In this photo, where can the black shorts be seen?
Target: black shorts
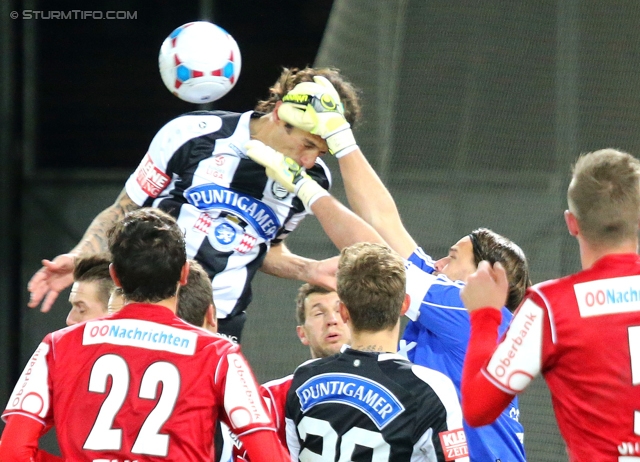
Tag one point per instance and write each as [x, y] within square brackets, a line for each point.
[232, 326]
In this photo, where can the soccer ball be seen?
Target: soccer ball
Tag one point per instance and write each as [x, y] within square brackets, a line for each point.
[199, 62]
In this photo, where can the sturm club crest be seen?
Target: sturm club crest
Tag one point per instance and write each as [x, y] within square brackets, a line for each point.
[278, 191]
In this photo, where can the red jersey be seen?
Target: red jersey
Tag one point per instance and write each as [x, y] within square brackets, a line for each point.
[274, 394]
[141, 384]
[582, 332]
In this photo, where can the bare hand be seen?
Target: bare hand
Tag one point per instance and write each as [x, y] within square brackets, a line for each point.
[54, 276]
[323, 273]
[487, 287]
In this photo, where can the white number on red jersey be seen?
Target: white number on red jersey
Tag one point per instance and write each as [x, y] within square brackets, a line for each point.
[149, 441]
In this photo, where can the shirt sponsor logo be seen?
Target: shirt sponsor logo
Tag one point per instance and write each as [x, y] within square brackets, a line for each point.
[212, 196]
[150, 178]
[370, 397]
[31, 392]
[517, 359]
[141, 334]
[242, 400]
[454, 444]
[608, 296]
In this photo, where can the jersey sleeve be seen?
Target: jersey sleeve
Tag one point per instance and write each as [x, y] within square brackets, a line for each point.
[20, 441]
[153, 174]
[492, 375]
[31, 396]
[435, 302]
[437, 430]
[244, 410]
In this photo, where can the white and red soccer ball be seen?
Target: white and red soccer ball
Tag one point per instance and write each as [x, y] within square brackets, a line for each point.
[199, 62]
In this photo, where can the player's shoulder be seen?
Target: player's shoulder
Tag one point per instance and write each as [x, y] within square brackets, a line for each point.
[200, 123]
[403, 370]
[278, 383]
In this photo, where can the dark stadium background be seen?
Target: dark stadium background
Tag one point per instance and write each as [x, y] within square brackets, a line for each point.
[101, 98]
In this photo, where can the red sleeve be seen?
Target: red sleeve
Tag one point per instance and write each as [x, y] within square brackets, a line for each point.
[20, 441]
[482, 401]
[264, 446]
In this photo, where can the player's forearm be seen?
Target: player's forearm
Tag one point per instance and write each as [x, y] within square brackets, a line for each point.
[280, 262]
[264, 445]
[20, 440]
[482, 402]
[95, 237]
[371, 200]
[341, 225]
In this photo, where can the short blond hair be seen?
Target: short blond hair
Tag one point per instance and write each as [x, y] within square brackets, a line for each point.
[604, 196]
[372, 285]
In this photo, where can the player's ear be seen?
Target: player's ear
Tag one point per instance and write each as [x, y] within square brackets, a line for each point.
[114, 276]
[405, 304]
[572, 223]
[184, 274]
[210, 319]
[274, 114]
[302, 335]
[344, 312]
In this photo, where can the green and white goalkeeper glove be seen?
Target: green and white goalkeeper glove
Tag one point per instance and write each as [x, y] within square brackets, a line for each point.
[316, 108]
[287, 172]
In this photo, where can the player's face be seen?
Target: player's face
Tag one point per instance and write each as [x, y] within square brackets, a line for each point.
[323, 329]
[459, 264]
[85, 303]
[301, 146]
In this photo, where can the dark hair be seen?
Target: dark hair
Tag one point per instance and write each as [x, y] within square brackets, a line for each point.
[492, 247]
[303, 292]
[289, 78]
[372, 285]
[95, 268]
[148, 252]
[195, 296]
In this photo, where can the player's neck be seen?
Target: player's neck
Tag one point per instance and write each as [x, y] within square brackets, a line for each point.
[170, 303]
[590, 253]
[379, 342]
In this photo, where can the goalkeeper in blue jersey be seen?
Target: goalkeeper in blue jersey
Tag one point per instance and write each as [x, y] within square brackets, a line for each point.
[438, 331]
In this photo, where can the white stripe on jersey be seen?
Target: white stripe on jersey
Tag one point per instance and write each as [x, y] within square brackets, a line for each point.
[552, 322]
[446, 391]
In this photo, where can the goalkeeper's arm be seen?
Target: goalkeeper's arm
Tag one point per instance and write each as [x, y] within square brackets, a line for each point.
[340, 224]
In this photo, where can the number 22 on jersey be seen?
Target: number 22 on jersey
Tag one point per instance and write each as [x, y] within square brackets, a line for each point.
[149, 440]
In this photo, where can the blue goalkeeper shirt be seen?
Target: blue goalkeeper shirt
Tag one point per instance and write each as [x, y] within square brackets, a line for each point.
[437, 336]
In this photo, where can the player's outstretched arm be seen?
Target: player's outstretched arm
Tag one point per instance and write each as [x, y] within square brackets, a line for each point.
[371, 200]
[341, 225]
[57, 274]
[281, 262]
[20, 441]
[316, 108]
[484, 295]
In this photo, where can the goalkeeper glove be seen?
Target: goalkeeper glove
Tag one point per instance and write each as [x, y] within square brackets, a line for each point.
[287, 172]
[316, 108]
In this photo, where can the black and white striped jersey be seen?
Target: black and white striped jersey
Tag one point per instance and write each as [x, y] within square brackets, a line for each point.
[361, 406]
[197, 170]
